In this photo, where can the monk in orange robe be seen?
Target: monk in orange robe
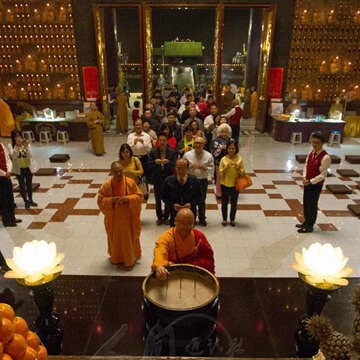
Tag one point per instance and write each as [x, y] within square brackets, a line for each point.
[119, 199]
[7, 122]
[182, 244]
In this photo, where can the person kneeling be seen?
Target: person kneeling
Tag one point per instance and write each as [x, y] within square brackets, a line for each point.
[182, 244]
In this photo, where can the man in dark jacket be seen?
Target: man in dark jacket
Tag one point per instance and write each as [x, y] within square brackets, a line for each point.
[181, 191]
[161, 163]
[173, 127]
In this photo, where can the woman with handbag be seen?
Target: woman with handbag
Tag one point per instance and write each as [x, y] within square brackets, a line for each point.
[132, 167]
[20, 153]
[230, 169]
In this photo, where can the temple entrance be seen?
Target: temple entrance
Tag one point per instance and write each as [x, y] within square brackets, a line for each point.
[225, 49]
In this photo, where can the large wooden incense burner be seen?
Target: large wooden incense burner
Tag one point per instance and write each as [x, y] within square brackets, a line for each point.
[187, 301]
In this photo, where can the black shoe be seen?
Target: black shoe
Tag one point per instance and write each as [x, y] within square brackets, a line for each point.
[27, 205]
[300, 226]
[203, 222]
[158, 222]
[12, 224]
[17, 221]
[32, 203]
[232, 223]
[305, 230]
[224, 223]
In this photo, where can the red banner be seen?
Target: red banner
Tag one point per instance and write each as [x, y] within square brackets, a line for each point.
[91, 83]
[275, 83]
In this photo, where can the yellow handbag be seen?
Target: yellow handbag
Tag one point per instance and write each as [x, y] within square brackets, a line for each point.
[243, 182]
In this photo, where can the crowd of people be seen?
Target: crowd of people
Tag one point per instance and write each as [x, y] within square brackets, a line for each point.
[177, 145]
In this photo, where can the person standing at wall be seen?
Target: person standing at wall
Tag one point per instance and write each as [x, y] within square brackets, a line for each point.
[95, 122]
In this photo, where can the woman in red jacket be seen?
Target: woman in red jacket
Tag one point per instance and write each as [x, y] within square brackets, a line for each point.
[164, 129]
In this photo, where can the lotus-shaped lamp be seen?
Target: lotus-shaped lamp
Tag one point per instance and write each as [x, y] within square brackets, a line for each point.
[323, 265]
[34, 261]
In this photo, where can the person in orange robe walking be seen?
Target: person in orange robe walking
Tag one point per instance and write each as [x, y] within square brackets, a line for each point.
[119, 199]
[182, 244]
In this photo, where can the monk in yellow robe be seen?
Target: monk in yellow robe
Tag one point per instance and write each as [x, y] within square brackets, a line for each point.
[119, 199]
[254, 102]
[121, 113]
[182, 244]
[7, 122]
[95, 122]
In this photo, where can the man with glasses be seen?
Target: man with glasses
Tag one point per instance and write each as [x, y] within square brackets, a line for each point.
[182, 244]
[181, 191]
[201, 166]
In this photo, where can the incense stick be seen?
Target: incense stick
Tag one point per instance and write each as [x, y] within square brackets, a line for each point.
[195, 277]
[181, 277]
[167, 280]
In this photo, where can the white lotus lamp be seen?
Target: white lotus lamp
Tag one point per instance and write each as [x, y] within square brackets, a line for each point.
[323, 265]
[34, 262]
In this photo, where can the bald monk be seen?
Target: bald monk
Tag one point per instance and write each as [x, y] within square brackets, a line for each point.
[119, 199]
[182, 244]
[7, 122]
[95, 123]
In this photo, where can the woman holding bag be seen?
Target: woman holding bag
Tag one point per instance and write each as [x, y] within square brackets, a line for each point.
[231, 167]
[21, 159]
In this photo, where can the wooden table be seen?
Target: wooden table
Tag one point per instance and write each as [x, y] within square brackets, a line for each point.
[76, 128]
[281, 130]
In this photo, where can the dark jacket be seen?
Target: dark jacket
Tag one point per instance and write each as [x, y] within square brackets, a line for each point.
[160, 173]
[174, 193]
[176, 131]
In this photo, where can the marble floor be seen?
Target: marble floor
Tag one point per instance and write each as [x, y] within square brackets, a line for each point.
[261, 245]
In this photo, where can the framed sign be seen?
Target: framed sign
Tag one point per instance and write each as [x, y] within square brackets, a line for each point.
[275, 83]
[91, 83]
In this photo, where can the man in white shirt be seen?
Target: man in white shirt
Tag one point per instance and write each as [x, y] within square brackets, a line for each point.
[141, 145]
[6, 190]
[201, 165]
[314, 174]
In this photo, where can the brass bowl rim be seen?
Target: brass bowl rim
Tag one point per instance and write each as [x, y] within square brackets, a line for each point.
[188, 266]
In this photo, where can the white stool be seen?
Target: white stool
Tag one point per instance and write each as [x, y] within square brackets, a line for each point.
[296, 138]
[335, 138]
[45, 137]
[62, 136]
[29, 135]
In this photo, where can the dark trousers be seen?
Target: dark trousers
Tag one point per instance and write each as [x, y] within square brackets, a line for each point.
[310, 201]
[144, 163]
[159, 213]
[208, 141]
[6, 201]
[235, 132]
[202, 205]
[226, 194]
[25, 177]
